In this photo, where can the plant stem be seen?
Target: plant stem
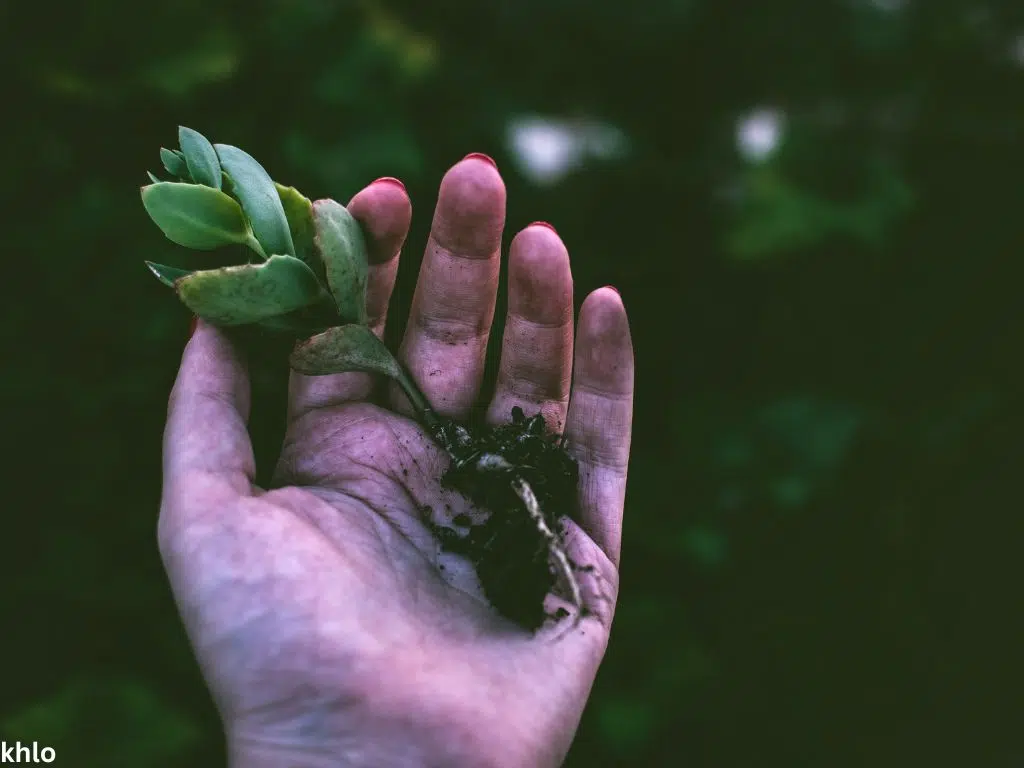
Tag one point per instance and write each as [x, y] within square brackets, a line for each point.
[416, 398]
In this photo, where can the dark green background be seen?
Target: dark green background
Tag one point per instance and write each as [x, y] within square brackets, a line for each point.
[822, 550]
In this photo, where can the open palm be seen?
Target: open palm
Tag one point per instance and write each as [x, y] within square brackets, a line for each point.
[331, 627]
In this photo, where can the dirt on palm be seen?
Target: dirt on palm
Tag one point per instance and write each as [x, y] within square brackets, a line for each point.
[519, 554]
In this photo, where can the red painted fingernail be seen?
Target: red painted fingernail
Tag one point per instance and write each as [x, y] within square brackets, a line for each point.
[192, 326]
[390, 180]
[617, 291]
[543, 224]
[481, 156]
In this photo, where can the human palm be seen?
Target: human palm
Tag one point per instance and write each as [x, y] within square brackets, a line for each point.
[330, 625]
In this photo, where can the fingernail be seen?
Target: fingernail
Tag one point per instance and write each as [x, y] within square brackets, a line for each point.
[192, 326]
[481, 156]
[543, 224]
[617, 291]
[390, 180]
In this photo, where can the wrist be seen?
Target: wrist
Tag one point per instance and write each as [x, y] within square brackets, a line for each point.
[352, 756]
[413, 731]
[276, 756]
[370, 747]
[262, 754]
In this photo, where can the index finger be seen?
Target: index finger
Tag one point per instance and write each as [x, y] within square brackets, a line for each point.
[384, 212]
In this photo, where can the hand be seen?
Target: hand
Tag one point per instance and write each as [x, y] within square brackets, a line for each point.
[328, 627]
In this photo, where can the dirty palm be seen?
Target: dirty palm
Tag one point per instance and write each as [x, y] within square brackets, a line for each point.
[518, 484]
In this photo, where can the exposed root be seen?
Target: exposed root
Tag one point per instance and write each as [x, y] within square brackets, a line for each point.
[556, 552]
[520, 558]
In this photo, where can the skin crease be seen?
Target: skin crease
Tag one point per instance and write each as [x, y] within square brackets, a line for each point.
[328, 626]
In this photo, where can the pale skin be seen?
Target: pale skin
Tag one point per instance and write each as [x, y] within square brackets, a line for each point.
[328, 626]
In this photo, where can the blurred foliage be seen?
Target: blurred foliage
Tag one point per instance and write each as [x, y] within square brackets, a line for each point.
[78, 721]
[823, 519]
[776, 216]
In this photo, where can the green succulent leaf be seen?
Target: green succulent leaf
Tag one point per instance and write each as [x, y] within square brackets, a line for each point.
[200, 157]
[344, 348]
[175, 163]
[299, 212]
[312, 319]
[255, 190]
[287, 323]
[167, 275]
[250, 293]
[340, 245]
[152, 177]
[194, 215]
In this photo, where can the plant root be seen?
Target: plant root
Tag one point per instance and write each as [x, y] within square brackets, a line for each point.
[526, 482]
[556, 551]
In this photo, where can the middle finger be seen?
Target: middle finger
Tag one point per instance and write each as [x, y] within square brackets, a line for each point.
[445, 342]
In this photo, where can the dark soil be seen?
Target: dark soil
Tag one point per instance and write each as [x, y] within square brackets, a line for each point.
[511, 555]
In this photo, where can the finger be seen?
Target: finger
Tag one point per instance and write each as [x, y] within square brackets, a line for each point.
[601, 415]
[536, 352]
[453, 306]
[384, 211]
[206, 431]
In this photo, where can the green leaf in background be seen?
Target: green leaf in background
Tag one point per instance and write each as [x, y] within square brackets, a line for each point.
[194, 215]
[626, 723]
[704, 545]
[152, 177]
[139, 727]
[210, 56]
[175, 163]
[250, 293]
[256, 192]
[779, 215]
[200, 157]
[168, 275]
[299, 212]
[345, 348]
[342, 249]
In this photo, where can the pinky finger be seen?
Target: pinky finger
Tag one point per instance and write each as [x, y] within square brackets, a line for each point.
[601, 416]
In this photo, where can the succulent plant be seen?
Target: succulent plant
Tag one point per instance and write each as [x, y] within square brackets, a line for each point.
[307, 272]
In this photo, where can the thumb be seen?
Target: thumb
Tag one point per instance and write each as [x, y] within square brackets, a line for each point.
[206, 418]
